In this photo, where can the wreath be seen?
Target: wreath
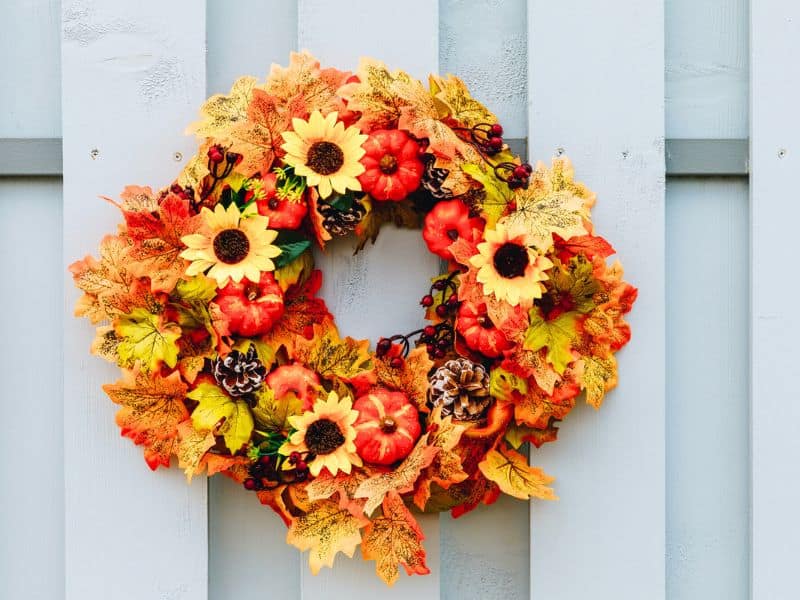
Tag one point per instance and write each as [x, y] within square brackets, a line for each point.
[206, 297]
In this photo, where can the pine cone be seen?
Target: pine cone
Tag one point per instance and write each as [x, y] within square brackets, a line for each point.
[461, 388]
[238, 373]
[341, 222]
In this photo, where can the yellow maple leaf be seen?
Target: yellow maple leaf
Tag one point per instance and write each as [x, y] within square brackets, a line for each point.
[343, 484]
[332, 357]
[552, 204]
[510, 471]
[192, 447]
[221, 112]
[401, 479]
[325, 530]
[411, 378]
[558, 335]
[219, 413]
[599, 376]
[394, 539]
[145, 338]
[272, 414]
[454, 101]
[447, 468]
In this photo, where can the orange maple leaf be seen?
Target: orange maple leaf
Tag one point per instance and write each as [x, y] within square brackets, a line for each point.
[536, 407]
[394, 539]
[258, 138]
[325, 530]
[411, 378]
[343, 484]
[302, 309]
[446, 468]
[157, 241]
[401, 479]
[152, 408]
[332, 357]
[192, 447]
[510, 471]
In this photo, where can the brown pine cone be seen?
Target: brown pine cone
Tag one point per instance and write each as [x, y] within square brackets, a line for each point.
[461, 388]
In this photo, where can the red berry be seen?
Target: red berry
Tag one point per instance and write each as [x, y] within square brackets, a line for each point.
[520, 172]
[527, 167]
[431, 349]
[396, 362]
[497, 129]
[384, 345]
[429, 330]
[265, 460]
[250, 484]
[427, 300]
[439, 353]
[301, 465]
[452, 300]
[495, 142]
[441, 310]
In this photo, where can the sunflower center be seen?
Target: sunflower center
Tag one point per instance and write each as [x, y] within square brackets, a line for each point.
[323, 436]
[324, 158]
[511, 260]
[388, 164]
[231, 246]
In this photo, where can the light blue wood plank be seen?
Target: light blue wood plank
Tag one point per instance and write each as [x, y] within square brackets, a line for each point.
[708, 492]
[31, 474]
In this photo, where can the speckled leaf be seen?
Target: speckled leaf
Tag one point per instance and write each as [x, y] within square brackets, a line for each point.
[192, 446]
[510, 471]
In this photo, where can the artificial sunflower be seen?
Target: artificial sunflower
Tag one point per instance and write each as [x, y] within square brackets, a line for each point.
[233, 245]
[508, 267]
[327, 434]
[325, 152]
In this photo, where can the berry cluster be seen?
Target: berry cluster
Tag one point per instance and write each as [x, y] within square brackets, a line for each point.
[516, 176]
[488, 137]
[448, 301]
[270, 471]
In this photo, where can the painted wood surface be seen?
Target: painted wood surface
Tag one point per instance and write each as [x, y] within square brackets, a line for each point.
[246, 545]
[598, 96]
[31, 472]
[133, 77]
[379, 288]
[775, 326]
[708, 409]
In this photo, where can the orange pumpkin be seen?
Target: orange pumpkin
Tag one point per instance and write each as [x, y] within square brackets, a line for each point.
[298, 380]
[479, 332]
[387, 426]
[287, 213]
[251, 308]
[392, 165]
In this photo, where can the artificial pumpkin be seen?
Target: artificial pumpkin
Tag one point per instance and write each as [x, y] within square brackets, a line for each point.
[295, 379]
[387, 426]
[392, 165]
[250, 308]
[284, 213]
[479, 332]
[448, 221]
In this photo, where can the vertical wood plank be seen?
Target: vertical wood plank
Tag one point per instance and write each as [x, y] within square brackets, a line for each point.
[486, 552]
[32, 499]
[775, 327]
[596, 91]
[246, 539]
[133, 77]
[379, 288]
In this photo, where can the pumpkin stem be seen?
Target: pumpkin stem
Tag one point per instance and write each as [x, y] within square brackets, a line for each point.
[388, 425]
[388, 164]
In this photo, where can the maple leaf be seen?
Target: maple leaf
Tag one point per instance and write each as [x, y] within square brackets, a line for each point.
[503, 384]
[272, 414]
[105, 344]
[394, 539]
[222, 111]
[551, 205]
[607, 326]
[599, 376]
[517, 434]
[590, 246]
[157, 241]
[497, 193]
[454, 101]
[411, 378]
[191, 448]
[221, 414]
[420, 116]
[305, 87]
[557, 335]
[302, 309]
[138, 199]
[401, 479]
[510, 471]
[374, 95]
[144, 337]
[325, 530]
[258, 138]
[110, 288]
[537, 407]
[526, 363]
[575, 281]
[152, 408]
[332, 357]
[343, 484]
[446, 468]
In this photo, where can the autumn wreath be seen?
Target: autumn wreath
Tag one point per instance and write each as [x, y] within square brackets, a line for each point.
[207, 299]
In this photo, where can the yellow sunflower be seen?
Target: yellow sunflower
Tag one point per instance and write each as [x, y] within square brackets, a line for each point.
[233, 245]
[327, 433]
[508, 267]
[325, 153]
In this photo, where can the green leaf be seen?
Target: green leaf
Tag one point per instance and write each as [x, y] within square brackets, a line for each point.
[143, 337]
[196, 289]
[556, 335]
[216, 411]
[502, 383]
[292, 245]
[265, 352]
[272, 414]
[498, 194]
[576, 278]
